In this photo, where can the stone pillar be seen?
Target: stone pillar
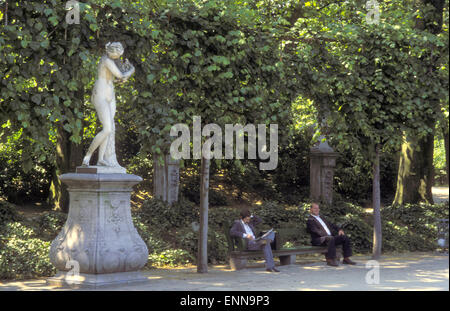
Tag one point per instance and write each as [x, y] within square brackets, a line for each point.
[322, 164]
[166, 179]
[98, 244]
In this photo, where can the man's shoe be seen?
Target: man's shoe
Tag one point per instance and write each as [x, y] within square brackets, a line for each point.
[332, 262]
[275, 270]
[348, 261]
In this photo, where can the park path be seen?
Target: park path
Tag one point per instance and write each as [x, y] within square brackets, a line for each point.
[440, 194]
[406, 271]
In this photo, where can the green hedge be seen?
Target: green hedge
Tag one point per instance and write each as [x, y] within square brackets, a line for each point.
[23, 254]
[412, 227]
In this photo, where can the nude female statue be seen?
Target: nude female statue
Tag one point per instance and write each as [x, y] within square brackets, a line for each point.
[104, 101]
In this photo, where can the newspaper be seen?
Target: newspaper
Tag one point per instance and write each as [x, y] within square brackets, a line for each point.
[262, 237]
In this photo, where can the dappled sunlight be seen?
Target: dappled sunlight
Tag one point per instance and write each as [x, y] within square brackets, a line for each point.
[394, 267]
[154, 277]
[218, 284]
[312, 268]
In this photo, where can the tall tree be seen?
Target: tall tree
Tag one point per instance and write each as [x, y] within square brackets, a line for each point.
[368, 80]
[416, 171]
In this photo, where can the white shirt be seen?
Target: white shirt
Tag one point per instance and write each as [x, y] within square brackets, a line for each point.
[322, 223]
[247, 229]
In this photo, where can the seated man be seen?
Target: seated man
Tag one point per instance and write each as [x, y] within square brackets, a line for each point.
[325, 233]
[244, 228]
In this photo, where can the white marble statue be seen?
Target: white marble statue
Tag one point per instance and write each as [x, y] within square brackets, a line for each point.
[104, 101]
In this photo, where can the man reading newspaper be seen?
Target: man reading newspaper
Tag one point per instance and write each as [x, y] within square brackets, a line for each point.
[244, 228]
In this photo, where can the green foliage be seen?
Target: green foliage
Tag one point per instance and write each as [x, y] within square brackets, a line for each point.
[154, 242]
[412, 227]
[353, 176]
[19, 183]
[190, 189]
[49, 224]
[7, 213]
[170, 257]
[229, 62]
[158, 214]
[25, 258]
[164, 227]
[23, 254]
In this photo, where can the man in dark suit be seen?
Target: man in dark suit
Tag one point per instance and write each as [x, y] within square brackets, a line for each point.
[244, 228]
[325, 233]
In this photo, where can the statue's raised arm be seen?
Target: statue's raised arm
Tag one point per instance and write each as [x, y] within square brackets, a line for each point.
[103, 98]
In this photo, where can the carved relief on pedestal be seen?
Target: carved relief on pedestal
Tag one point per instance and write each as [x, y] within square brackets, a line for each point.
[83, 210]
[58, 255]
[99, 233]
[327, 182]
[110, 261]
[174, 177]
[114, 213]
[71, 244]
[136, 260]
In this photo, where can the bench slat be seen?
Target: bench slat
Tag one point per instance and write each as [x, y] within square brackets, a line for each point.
[282, 252]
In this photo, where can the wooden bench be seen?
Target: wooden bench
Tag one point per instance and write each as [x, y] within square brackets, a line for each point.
[239, 254]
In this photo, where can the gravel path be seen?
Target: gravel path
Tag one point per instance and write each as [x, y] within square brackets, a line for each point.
[408, 271]
[440, 194]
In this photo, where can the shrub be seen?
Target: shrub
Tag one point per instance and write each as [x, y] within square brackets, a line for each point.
[7, 212]
[412, 227]
[190, 189]
[23, 177]
[24, 259]
[49, 224]
[22, 254]
[155, 244]
[170, 257]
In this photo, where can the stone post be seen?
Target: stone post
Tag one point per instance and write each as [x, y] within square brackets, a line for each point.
[166, 179]
[98, 244]
[322, 164]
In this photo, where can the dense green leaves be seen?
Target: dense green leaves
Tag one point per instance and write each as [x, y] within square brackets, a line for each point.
[229, 62]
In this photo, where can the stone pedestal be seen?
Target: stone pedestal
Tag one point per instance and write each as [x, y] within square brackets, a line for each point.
[322, 164]
[98, 244]
[166, 179]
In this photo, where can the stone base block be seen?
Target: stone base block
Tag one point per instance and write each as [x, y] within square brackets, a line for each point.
[83, 280]
[97, 169]
[288, 260]
[99, 237]
[238, 263]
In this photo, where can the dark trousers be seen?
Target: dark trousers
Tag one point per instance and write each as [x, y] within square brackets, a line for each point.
[332, 242]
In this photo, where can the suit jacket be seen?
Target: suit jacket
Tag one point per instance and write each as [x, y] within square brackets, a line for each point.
[238, 230]
[316, 230]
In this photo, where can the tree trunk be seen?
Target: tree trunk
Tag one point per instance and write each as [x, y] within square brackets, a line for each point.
[68, 157]
[376, 202]
[445, 134]
[416, 171]
[202, 259]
